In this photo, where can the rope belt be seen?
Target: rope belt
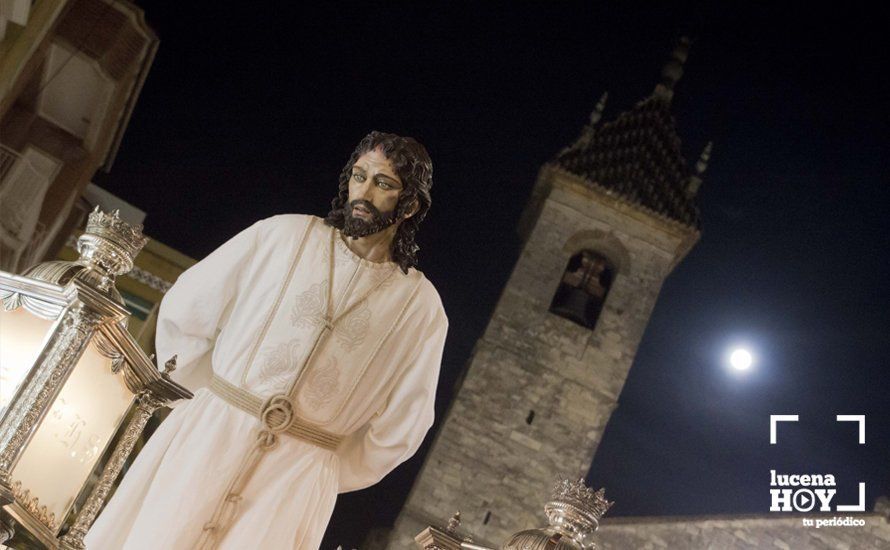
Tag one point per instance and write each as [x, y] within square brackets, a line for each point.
[277, 417]
[275, 412]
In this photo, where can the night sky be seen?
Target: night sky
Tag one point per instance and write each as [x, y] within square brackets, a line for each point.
[252, 110]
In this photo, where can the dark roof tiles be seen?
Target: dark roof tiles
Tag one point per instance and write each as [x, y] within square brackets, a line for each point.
[637, 155]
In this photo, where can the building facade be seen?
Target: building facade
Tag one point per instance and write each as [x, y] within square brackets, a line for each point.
[70, 74]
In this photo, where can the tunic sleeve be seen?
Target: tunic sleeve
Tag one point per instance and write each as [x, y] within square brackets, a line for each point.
[191, 311]
[396, 431]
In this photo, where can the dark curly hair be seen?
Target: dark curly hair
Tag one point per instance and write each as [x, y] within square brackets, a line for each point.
[413, 165]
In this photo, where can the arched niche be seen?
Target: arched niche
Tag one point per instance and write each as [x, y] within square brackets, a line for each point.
[603, 242]
[583, 289]
[595, 258]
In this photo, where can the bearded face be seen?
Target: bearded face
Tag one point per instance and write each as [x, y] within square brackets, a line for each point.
[362, 218]
[372, 199]
[374, 189]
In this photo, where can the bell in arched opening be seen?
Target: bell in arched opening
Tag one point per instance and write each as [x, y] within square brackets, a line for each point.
[583, 288]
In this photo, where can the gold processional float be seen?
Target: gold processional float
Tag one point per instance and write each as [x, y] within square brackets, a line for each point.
[70, 376]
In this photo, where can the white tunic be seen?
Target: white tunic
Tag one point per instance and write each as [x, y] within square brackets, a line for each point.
[251, 311]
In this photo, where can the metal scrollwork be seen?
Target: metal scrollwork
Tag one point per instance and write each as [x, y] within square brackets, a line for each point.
[32, 505]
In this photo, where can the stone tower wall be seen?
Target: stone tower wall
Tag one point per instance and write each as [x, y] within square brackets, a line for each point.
[492, 458]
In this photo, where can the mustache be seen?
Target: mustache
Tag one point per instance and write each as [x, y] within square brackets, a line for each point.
[375, 213]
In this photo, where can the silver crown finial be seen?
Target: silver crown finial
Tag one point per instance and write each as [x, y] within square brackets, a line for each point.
[577, 493]
[109, 243]
[573, 503]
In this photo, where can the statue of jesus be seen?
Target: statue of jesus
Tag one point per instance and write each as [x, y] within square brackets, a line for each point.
[313, 347]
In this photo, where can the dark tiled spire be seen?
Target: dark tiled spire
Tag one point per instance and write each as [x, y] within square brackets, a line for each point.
[637, 155]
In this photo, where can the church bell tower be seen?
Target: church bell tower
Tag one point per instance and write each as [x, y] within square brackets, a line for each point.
[609, 218]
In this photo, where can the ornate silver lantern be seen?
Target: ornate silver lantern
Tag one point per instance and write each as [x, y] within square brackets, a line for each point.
[574, 512]
[69, 375]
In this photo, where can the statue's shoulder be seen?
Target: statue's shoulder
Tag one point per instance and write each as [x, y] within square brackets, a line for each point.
[427, 297]
[287, 226]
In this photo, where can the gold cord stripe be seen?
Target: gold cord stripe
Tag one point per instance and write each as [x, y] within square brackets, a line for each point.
[284, 285]
[253, 405]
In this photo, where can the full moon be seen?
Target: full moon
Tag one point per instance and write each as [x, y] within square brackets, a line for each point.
[740, 359]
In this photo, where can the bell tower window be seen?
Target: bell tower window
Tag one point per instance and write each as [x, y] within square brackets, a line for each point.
[583, 289]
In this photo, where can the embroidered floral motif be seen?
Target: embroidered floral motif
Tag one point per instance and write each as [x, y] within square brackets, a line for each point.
[309, 307]
[321, 384]
[279, 364]
[351, 330]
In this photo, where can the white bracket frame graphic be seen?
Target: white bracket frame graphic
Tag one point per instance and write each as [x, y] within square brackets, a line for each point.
[860, 418]
[773, 419]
